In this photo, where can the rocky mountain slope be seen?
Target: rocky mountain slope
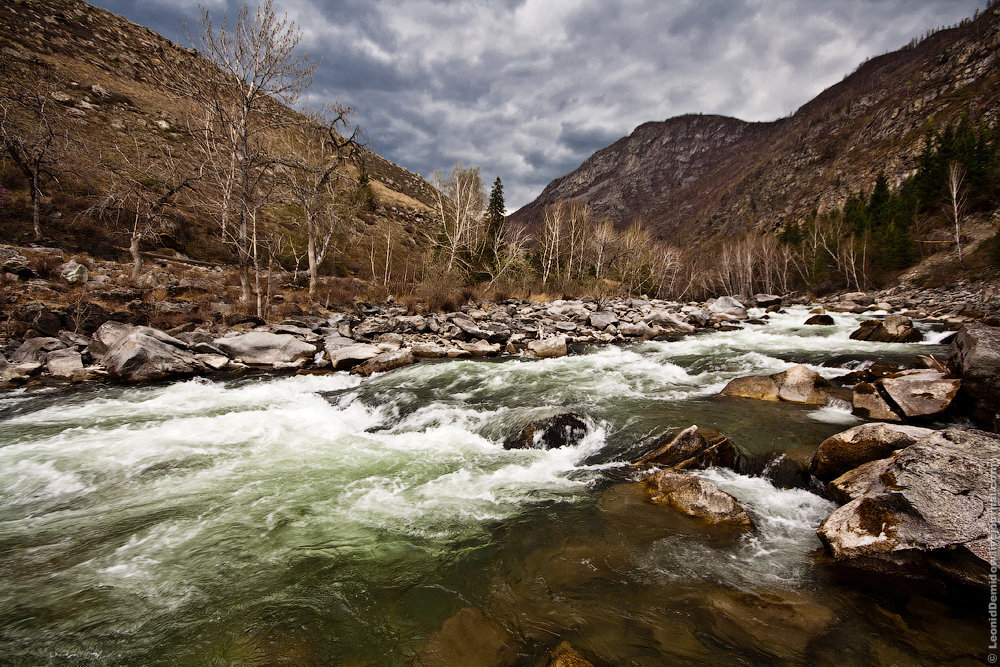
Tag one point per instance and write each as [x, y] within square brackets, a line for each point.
[109, 81]
[696, 177]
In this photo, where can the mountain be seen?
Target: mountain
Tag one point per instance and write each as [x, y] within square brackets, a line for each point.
[111, 81]
[697, 177]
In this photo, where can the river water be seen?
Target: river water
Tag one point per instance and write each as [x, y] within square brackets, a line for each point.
[332, 520]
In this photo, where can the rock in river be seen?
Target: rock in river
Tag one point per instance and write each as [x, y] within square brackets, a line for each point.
[893, 329]
[384, 362]
[691, 449]
[145, 354]
[849, 449]
[927, 513]
[548, 348]
[975, 356]
[796, 385]
[560, 431]
[265, 348]
[698, 498]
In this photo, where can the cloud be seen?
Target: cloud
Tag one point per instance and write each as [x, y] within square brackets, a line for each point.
[528, 89]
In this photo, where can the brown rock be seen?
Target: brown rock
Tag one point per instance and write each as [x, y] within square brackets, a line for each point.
[691, 449]
[920, 393]
[861, 444]
[868, 403]
[697, 498]
[796, 385]
[384, 362]
[761, 387]
[468, 638]
[565, 655]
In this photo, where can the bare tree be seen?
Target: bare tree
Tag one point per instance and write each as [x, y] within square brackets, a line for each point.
[240, 116]
[141, 190]
[461, 204]
[32, 136]
[956, 200]
[321, 151]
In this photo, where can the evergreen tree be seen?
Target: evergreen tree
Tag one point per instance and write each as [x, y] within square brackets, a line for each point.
[495, 219]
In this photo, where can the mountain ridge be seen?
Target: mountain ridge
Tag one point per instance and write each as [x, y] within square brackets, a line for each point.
[760, 176]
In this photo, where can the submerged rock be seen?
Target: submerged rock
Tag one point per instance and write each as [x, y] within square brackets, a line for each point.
[565, 655]
[691, 449]
[469, 637]
[927, 512]
[780, 624]
[849, 449]
[563, 430]
[697, 498]
[796, 385]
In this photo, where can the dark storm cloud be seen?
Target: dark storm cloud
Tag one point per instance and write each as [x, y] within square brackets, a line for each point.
[529, 88]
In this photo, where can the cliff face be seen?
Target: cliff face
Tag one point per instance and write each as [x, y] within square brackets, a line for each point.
[693, 178]
[109, 81]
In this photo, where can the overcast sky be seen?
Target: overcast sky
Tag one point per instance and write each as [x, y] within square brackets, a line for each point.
[528, 89]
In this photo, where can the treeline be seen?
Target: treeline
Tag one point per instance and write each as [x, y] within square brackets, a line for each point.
[875, 234]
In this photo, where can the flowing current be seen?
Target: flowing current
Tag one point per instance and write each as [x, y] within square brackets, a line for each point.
[327, 519]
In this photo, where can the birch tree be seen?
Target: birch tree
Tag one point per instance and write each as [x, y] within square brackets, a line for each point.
[459, 209]
[956, 200]
[240, 115]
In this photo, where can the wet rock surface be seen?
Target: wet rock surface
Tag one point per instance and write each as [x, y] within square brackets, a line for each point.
[926, 514]
[692, 448]
[798, 384]
[697, 498]
[563, 430]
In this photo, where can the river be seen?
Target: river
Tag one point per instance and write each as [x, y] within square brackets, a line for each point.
[326, 519]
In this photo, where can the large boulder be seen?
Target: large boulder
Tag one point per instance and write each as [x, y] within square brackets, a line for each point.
[798, 384]
[563, 430]
[927, 514]
[920, 393]
[107, 335]
[348, 356]
[694, 497]
[907, 395]
[849, 449]
[820, 320]
[893, 329]
[728, 307]
[636, 330]
[548, 348]
[385, 361]
[766, 300]
[691, 449]
[36, 350]
[975, 357]
[65, 363]
[602, 319]
[669, 321]
[144, 354]
[262, 348]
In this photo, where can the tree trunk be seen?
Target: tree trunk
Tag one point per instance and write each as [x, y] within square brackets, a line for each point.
[311, 250]
[36, 197]
[133, 248]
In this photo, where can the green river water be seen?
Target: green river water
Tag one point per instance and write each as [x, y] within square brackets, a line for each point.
[332, 520]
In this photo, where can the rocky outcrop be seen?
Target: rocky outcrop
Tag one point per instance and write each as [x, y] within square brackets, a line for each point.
[563, 430]
[692, 448]
[858, 445]
[926, 514]
[798, 384]
[697, 498]
[893, 329]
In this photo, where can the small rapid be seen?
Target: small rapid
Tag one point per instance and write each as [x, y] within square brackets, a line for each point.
[196, 521]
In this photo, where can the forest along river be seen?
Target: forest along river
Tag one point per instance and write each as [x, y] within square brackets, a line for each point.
[329, 519]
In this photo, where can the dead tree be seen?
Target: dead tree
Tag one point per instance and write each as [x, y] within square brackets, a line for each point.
[240, 118]
[32, 137]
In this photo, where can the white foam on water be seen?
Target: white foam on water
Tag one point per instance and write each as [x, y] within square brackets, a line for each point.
[786, 522]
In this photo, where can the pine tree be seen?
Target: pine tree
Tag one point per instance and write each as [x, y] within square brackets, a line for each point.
[495, 220]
